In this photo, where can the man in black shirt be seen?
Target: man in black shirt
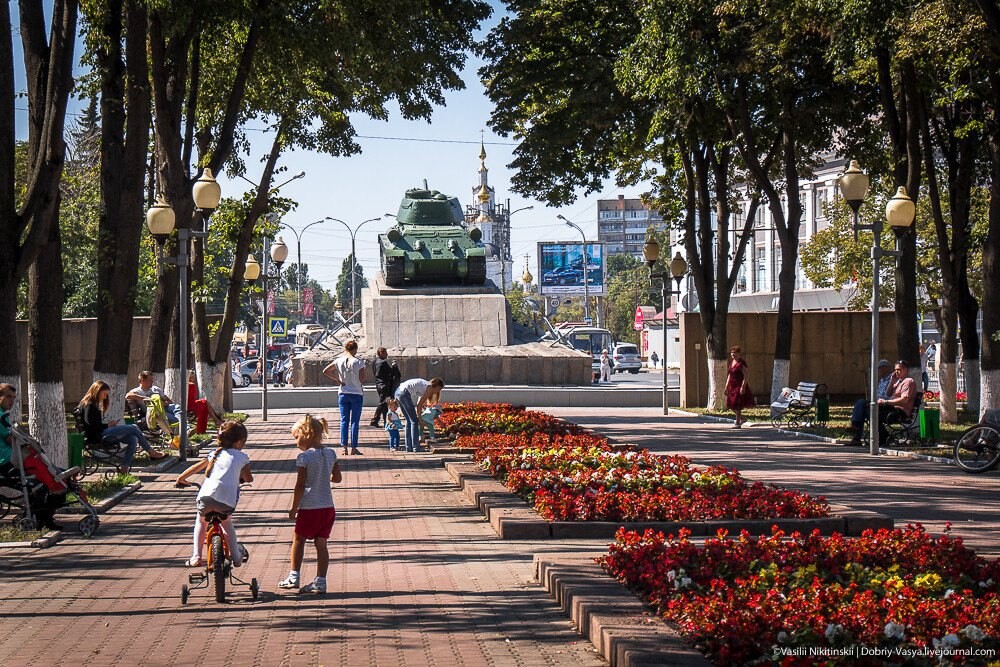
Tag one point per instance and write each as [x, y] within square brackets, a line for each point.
[387, 378]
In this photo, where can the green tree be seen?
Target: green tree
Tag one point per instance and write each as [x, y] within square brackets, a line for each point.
[344, 290]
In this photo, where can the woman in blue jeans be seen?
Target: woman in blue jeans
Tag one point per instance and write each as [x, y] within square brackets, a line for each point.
[349, 372]
[93, 406]
[413, 396]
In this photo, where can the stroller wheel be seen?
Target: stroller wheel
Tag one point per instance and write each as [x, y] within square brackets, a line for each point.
[25, 523]
[88, 525]
[185, 593]
[254, 588]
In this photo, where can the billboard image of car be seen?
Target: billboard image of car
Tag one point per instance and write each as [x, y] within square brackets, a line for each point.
[561, 268]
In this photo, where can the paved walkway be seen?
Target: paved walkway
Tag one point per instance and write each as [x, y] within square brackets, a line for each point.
[417, 577]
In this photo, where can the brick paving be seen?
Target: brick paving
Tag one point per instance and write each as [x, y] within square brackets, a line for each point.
[908, 490]
[416, 578]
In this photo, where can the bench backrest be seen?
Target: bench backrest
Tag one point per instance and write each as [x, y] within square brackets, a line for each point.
[809, 390]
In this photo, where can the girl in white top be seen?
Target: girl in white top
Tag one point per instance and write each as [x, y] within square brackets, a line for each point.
[224, 469]
[349, 372]
[413, 395]
[312, 501]
[605, 367]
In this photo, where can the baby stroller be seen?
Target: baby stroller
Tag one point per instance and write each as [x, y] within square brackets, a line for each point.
[34, 488]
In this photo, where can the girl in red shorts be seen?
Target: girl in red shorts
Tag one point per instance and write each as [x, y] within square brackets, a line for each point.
[312, 503]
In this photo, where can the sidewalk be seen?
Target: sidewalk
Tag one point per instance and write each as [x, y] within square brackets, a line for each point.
[908, 490]
[416, 578]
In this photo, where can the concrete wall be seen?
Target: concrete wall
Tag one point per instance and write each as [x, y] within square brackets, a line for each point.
[80, 350]
[829, 347]
[525, 364]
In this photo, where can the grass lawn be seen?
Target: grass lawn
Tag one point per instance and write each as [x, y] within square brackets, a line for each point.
[9, 533]
[100, 489]
[840, 421]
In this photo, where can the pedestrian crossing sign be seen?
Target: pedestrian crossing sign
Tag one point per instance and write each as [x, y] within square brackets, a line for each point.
[278, 326]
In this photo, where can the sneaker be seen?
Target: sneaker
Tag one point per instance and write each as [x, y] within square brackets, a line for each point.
[315, 588]
[245, 557]
[288, 583]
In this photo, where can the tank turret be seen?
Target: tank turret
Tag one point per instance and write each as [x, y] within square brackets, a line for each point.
[429, 243]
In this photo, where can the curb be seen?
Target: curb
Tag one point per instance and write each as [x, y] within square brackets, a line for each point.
[43, 542]
[513, 519]
[108, 503]
[622, 629]
[902, 453]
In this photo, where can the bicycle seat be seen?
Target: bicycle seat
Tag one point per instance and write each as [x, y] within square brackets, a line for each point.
[216, 516]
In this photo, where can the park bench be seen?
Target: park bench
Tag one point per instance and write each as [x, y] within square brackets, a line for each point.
[797, 408]
[107, 451]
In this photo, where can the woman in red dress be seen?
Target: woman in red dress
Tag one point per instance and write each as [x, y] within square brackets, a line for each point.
[738, 394]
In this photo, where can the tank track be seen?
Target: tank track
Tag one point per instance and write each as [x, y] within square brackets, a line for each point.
[477, 271]
[393, 269]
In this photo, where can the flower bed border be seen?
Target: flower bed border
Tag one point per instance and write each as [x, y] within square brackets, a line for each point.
[514, 519]
[619, 625]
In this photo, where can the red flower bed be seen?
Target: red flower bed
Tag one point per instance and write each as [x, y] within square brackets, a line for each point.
[936, 396]
[888, 597]
[483, 418]
[574, 480]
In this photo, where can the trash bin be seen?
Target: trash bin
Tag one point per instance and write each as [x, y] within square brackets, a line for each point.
[76, 444]
[930, 423]
[823, 408]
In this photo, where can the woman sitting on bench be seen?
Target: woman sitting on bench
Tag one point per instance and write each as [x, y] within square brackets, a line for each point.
[93, 407]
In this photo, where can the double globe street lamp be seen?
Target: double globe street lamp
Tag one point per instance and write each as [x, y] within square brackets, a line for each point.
[899, 213]
[678, 269]
[278, 254]
[160, 221]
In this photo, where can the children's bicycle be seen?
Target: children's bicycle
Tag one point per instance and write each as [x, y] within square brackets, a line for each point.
[218, 563]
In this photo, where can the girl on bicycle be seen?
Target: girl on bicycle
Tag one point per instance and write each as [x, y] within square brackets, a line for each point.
[312, 502]
[224, 469]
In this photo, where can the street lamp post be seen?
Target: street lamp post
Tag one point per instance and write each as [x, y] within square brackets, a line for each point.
[278, 253]
[160, 220]
[354, 256]
[899, 214]
[678, 268]
[586, 269]
[298, 266]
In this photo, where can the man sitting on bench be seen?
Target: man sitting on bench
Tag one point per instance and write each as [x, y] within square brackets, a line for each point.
[145, 390]
[899, 405]
[862, 406]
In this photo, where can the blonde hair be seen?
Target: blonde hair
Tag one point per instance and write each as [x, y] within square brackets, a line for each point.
[93, 394]
[310, 428]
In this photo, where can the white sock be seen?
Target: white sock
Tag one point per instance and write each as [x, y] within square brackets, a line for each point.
[293, 574]
[320, 580]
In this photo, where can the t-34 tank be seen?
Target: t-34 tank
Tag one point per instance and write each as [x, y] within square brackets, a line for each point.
[430, 244]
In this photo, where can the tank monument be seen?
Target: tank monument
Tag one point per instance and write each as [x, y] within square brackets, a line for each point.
[434, 310]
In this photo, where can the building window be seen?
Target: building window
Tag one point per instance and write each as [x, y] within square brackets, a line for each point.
[760, 284]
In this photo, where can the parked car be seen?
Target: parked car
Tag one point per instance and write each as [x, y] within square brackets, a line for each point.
[627, 359]
[245, 376]
[562, 276]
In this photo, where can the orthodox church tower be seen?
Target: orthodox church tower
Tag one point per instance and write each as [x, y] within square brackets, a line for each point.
[491, 220]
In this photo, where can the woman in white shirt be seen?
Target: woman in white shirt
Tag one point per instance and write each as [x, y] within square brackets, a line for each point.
[412, 396]
[349, 372]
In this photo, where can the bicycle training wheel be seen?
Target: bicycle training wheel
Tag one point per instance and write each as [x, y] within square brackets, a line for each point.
[978, 450]
[219, 567]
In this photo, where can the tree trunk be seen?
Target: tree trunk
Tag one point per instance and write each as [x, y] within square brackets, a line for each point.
[947, 355]
[908, 164]
[124, 147]
[172, 381]
[990, 368]
[46, 402]
[786, 301]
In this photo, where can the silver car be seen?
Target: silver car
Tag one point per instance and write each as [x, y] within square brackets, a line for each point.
[627, 359]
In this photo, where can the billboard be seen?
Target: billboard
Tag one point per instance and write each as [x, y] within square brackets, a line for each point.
[560, 268]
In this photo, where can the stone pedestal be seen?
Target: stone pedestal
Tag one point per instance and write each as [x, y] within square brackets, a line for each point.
[434, 316]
